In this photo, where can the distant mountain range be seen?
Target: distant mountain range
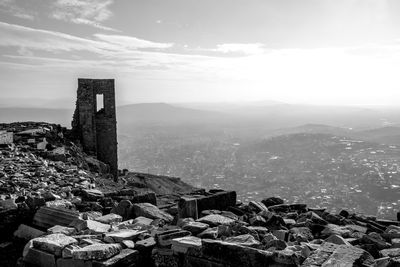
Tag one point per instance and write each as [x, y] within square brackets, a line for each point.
[263, 119]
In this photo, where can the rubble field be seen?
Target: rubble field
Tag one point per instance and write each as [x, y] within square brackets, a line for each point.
[59, 207]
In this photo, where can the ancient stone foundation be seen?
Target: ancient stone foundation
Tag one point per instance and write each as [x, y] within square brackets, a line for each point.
[95, 120]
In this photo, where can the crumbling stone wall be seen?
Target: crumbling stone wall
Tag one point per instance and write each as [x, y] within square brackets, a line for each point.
[97, 129]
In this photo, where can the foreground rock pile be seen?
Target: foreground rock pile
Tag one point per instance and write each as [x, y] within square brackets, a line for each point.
[253, 234]
[51, 204]
[39, 167]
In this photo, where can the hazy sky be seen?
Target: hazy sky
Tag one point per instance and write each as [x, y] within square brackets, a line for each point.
[308, 51]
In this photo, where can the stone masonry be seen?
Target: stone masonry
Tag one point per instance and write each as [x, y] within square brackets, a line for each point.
[97, 128]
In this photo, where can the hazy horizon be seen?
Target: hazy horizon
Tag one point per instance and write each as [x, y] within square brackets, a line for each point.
[306, 52]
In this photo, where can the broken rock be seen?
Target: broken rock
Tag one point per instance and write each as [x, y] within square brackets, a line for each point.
[150, 211]
[53, 243]
[97, 252]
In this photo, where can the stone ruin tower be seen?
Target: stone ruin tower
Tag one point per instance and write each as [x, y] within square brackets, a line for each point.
[95, 122]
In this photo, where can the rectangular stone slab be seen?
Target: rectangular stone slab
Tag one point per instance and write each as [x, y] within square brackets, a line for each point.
[96, 252]
[53, 243]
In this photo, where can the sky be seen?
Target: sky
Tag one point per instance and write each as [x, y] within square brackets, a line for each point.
[329, 52]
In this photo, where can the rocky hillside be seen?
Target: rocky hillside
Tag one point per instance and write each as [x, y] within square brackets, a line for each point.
[59, 208]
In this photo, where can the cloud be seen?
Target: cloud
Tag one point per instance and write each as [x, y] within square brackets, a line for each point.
[11, 7]
[247, 49]
[105, 45]
[131, 42]
[24, 37]
[87, 12]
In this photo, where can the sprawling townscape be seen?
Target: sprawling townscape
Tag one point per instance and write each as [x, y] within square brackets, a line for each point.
[322, 170]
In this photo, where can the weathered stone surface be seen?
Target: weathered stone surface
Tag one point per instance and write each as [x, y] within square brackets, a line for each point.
[67, 251]
[301, 234]
[165, 238]
[244, 240]
[187, 208]
[58, 229]
[349, 256]
[338, 240]
[109, 218]
[150, 211]
[333, 229]
[53, 243]
[215, 220]
[128, 244]
[59, 204]
[96, 252]
[124, 234]
[27, 233]
[182, 244]
[91, 227]
[40, 258]
[195, 227]
[209, 233]
[235, 255]
[142, 220]
[47, 217]
[286, 257]
[257, 206]
[127, 257]
[390, 252]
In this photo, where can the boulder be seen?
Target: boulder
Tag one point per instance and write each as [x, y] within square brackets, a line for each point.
[150, 211]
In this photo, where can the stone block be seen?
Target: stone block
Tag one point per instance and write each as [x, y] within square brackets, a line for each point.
[235, 255]
[109, 218]
[150, 211]
[68, 250]
[91, 226]
[215, 220]
[40, 258]
[182, 244]
[165, 238]
[217, 201]
[124, 234]
[96, 252]
[244, 240]
[53, 243]
[390, 252]
[187, 208]
[127, 257]
[47, 217]
[58, 229]
[26, 232]
[195, 227]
